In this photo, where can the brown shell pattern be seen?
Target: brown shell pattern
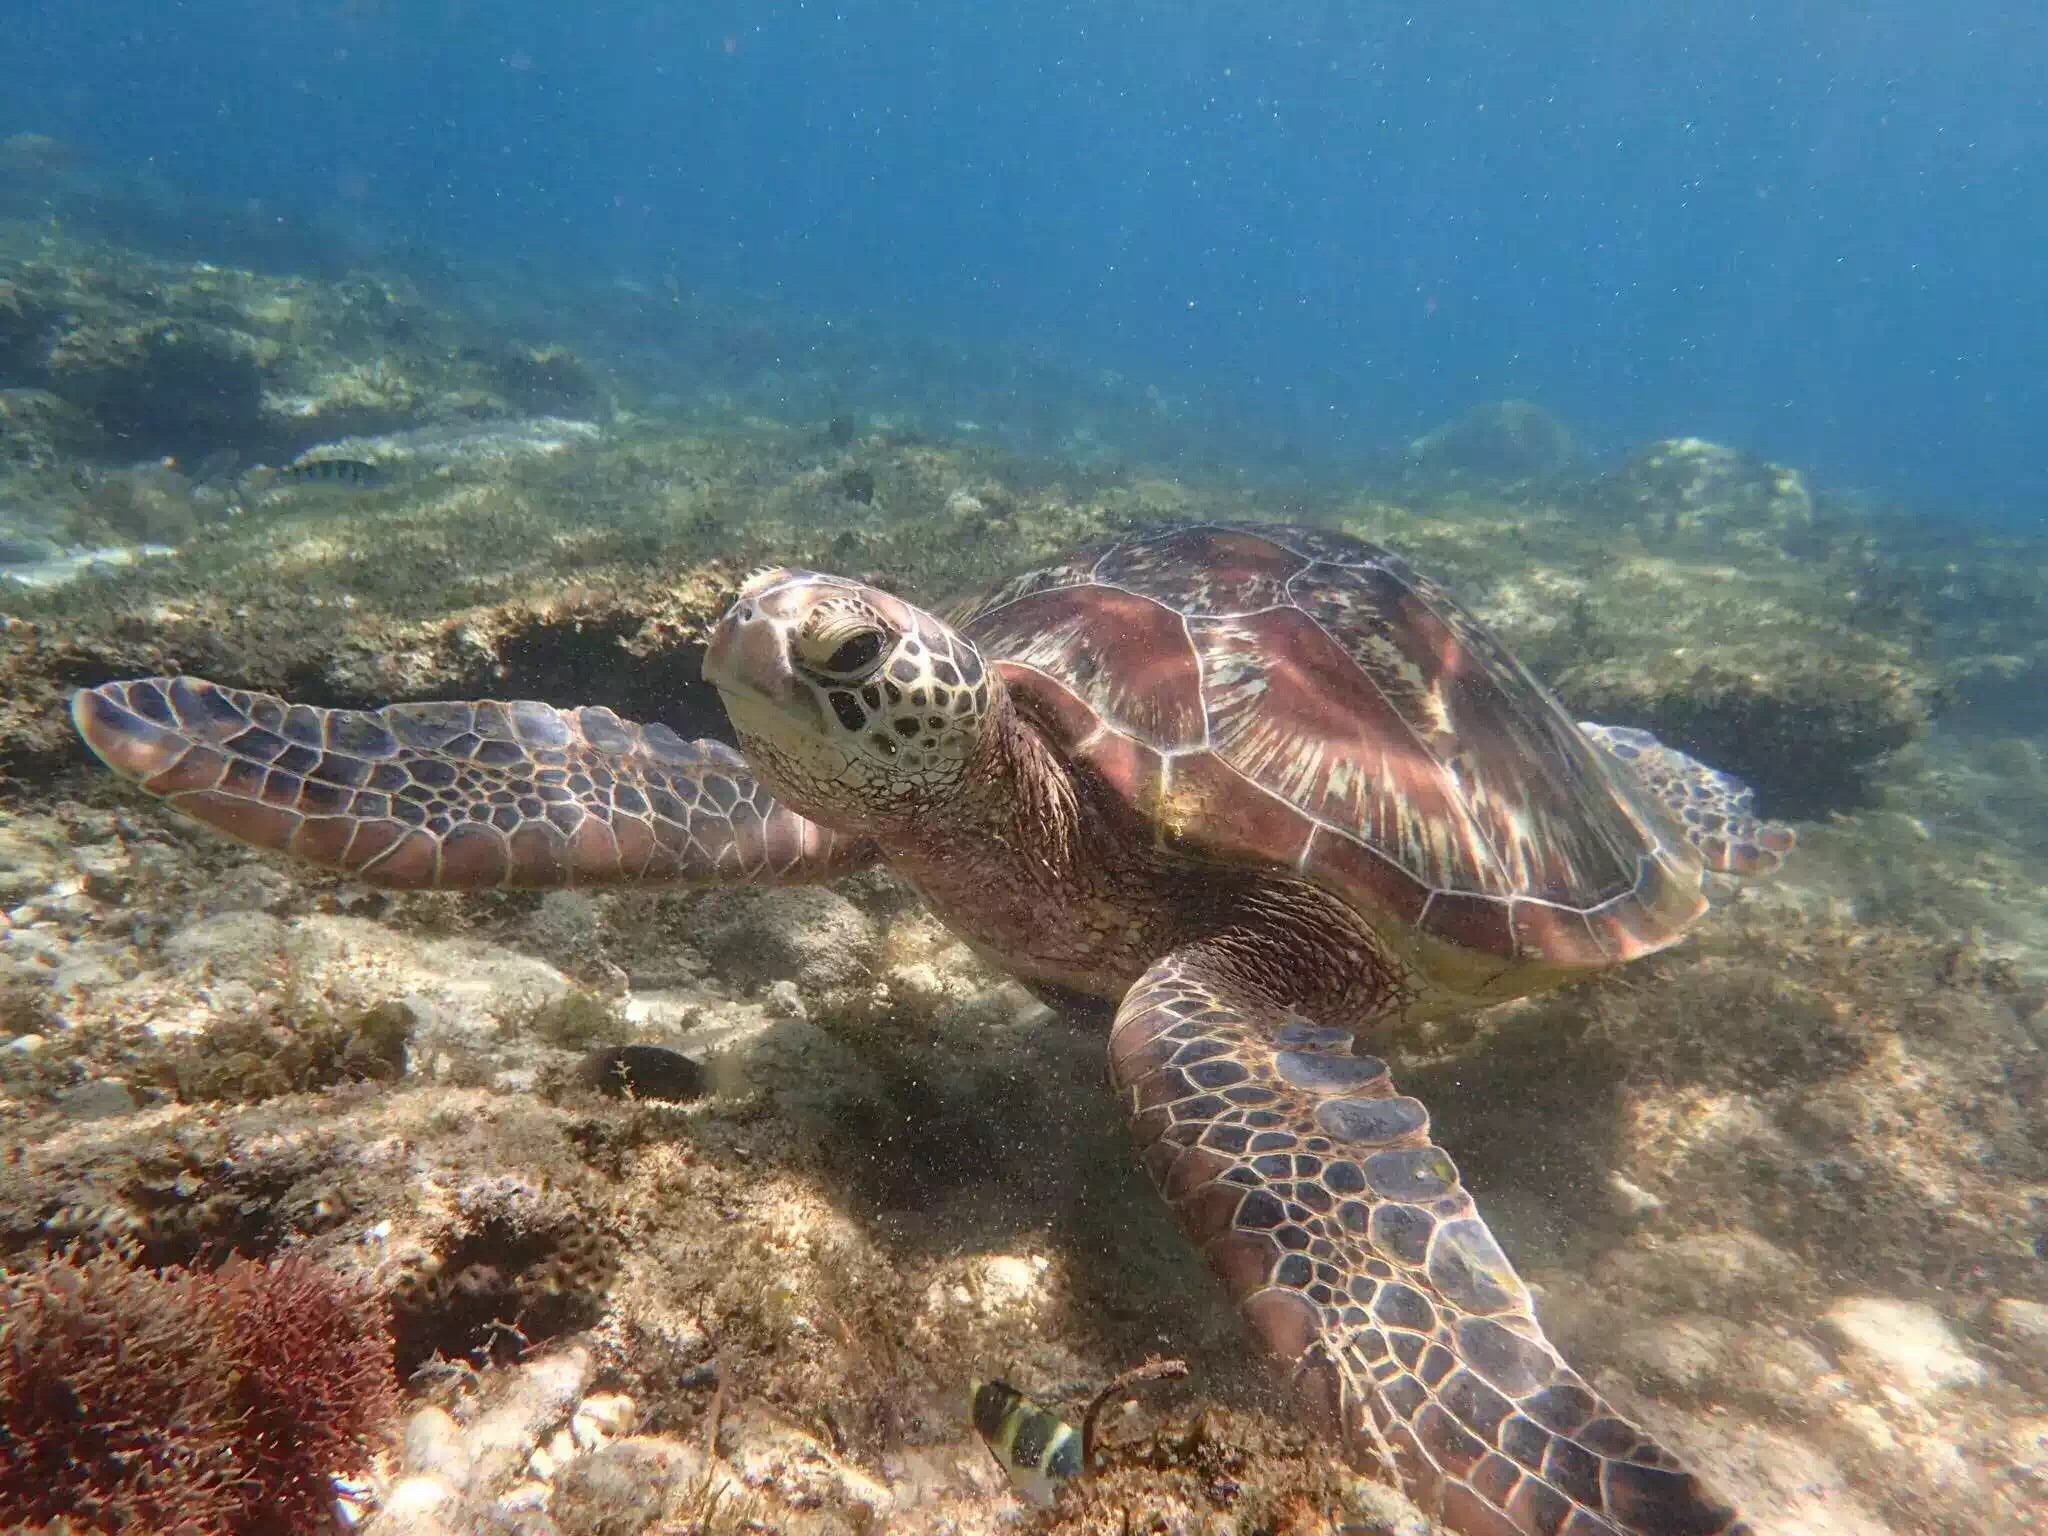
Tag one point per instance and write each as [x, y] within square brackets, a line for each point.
[1296, 697]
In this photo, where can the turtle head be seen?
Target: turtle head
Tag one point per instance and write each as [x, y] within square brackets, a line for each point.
[853, 706]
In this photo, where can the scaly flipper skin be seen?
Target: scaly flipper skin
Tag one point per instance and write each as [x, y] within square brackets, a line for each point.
[457, 796]
[1717, 810]
[1360, 1261]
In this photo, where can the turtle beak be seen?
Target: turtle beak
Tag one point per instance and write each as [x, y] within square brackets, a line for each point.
[748, 655]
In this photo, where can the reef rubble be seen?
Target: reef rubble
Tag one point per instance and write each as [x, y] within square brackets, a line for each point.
[699, 1207]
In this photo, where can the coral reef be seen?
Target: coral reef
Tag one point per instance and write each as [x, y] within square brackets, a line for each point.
[220, 1401]
[156, 358]
[903, 1174]
[297, 1052]
[513, 1267]
[1691, 490]
[701, 1207]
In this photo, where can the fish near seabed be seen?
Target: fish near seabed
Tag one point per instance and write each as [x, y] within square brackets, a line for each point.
[1037, 1449]
[351, 474]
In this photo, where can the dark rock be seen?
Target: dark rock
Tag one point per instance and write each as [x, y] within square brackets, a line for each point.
[548, 379]
[1506, 440]
[1808, 733]
[164, 387]
[25, 548]
[40, 431]
[644, 1072]
[25, 327]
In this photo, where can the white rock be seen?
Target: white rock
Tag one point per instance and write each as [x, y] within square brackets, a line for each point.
[543, 1393]
[2024, 1327]
[524, 1495]
[602, 1416]
[1690, 1351]
[26, 864]
[1380, 1511]
[232, 996]
[2027, 1443]
[568, 924]
[415, 1498]
[97, 1100]
[1008, 1281]
[232, 944]
[1786, 1371]
[553, 1454]
[770, 1454]
[501, 1430]
[811, 935]
[1905, 1342]
[1630, 1198]
[435, 1447]
[103, 872]
[1716, 1272]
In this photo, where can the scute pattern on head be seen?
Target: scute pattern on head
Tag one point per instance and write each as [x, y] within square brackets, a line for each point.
[1295, 697]
[849, 697]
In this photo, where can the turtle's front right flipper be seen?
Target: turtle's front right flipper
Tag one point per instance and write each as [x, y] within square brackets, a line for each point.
[1360, 1261]
[456, 796]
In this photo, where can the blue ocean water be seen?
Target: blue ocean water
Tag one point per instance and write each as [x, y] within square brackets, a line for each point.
[1812, 228]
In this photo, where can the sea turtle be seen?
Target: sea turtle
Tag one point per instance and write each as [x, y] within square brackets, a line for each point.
[1263, 787]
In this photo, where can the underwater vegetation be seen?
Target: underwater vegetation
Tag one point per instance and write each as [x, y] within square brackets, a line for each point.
[219, 1402]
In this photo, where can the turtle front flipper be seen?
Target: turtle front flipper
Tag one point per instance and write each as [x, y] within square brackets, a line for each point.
[1717, 810]
[1313, 1189]
[456, 796]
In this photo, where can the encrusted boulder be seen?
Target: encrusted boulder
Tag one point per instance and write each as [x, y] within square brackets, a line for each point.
[194, 360]
[39, 430]
[1808, 729]
[165, 386]
[1686, 487]
[1504, 440]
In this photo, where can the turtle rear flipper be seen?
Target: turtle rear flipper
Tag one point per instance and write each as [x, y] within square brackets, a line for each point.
[1360, 1261]
[1717, 810]
[456, 796]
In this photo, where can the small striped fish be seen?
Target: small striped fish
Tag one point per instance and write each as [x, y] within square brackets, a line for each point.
[1038, 1449]
[355, 474]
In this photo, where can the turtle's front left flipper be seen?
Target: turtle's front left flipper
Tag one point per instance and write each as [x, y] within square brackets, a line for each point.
[1313, 1189]
[456, 796]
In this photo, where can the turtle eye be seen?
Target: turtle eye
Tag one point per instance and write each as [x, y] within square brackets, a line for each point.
[857, 655]
[842, 651]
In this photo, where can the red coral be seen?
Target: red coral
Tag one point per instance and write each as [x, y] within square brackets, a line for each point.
[218, 1403]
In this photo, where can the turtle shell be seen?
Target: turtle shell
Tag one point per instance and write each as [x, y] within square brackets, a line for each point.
[1298, 699]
